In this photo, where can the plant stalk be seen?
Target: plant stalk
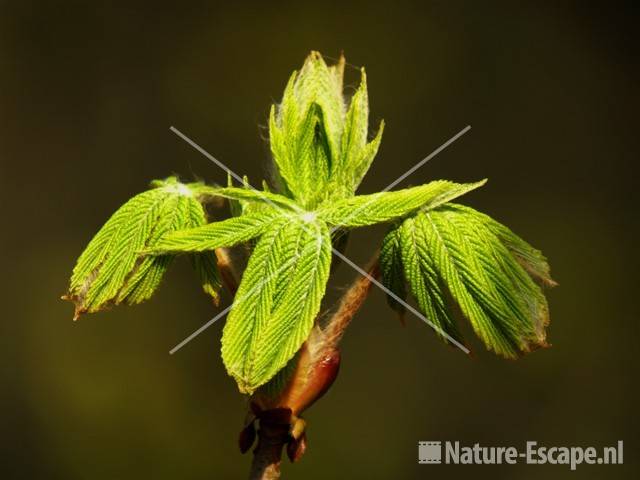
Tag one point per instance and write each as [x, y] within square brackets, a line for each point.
[267, 456]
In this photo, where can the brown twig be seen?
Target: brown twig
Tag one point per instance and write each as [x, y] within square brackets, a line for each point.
[267, 456]
[349, 304]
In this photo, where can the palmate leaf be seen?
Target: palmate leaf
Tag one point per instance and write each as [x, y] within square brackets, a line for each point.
[522, 295]
[387, 206]
[319, 147]
[277, 301]
[305, 129]
[530, 258]
[439, 252]
[112, 270]
[320, 85]
[454, 252]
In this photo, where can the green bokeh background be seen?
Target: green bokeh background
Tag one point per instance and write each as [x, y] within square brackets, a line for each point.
[87, 94]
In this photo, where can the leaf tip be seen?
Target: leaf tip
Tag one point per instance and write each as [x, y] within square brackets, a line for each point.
[550, 282]
[363, 77]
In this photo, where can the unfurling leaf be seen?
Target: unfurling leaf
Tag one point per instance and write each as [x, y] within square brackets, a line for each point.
[456, 252]
[357, 164]
[112, 269]
[381, 207]
[277, 301]
[357, 154]
[305, 130]
[319, 147]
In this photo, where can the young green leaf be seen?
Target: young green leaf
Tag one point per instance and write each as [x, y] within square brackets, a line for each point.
[312, 154]
[356, 153]
[318, 84]
[393, 270]
[441, 253]
[387, 206]
[111, 270]
[523, 296]
[205, 263]
[277, 301]
[422, 277]
[225, 233]
[319, 147]
[453, 250]
[305, 130]
[531, 259]
[358, 164]
[356, 126]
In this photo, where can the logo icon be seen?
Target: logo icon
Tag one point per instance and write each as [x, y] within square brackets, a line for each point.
[429, 452]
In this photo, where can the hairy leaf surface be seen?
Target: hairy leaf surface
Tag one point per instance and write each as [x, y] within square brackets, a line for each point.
[111, 270]
[387, 206]
[305, 130]
[205, 263]
[392, 269]
[225, 233]
[277, 301]
[454, 251]
[359, 162]
[319, 146]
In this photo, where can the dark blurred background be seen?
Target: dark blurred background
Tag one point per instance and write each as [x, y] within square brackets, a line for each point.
[88, 92]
